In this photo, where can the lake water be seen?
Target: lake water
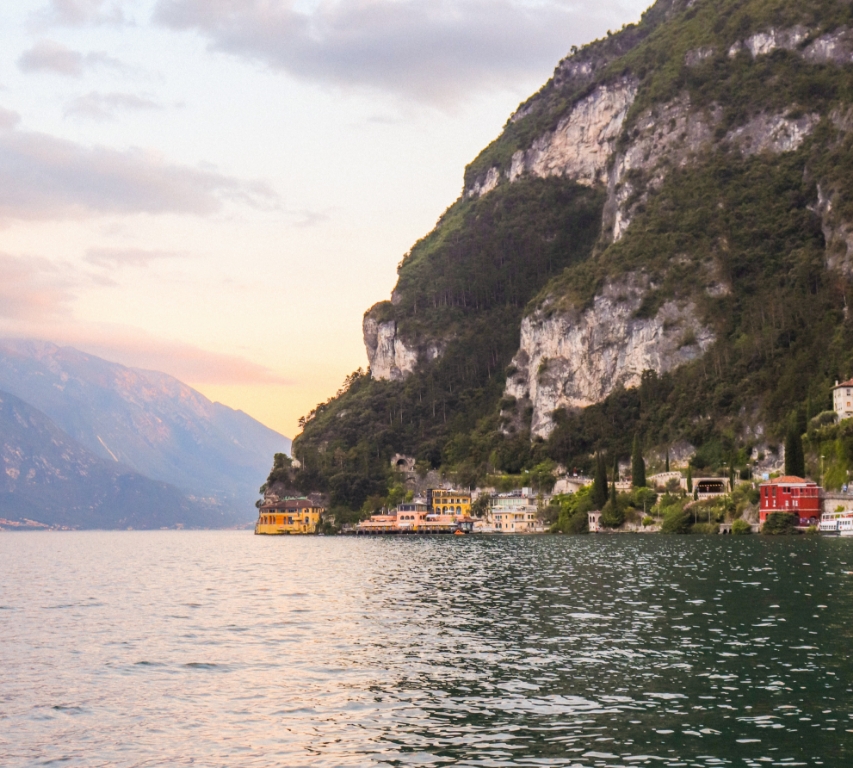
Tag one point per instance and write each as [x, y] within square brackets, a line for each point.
[226, 649]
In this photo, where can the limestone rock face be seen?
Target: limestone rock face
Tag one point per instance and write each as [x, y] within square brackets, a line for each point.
[575, 359]
[390, 359]
[580, 146]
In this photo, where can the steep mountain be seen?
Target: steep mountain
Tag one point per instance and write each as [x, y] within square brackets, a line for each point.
[659, 243]
[144, 420]
[49, 479]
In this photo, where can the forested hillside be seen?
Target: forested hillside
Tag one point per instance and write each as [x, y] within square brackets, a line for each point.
[658, 244]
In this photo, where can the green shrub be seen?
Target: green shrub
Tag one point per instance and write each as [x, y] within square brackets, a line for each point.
[676, 521]
[612, 515]
[647, 521]
[780, 524]
[705, 528]
[741, 528]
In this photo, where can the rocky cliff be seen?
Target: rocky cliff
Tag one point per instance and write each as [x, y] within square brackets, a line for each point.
[576, 359]
[712, 144]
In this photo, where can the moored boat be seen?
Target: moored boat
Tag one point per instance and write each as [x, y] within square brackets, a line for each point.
[837, 523]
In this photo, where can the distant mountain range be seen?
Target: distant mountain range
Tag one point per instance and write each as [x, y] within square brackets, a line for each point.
[90, 443]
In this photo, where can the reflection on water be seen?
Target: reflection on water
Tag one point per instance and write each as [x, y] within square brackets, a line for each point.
[221, 648]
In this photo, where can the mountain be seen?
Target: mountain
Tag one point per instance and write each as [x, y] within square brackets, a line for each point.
[49, 479]
[144, 420]
[659, 243]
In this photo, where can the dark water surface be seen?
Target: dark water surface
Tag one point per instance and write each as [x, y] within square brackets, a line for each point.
[226, 649]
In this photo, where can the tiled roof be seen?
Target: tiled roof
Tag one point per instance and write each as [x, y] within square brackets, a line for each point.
[848, 383]
[789, 480]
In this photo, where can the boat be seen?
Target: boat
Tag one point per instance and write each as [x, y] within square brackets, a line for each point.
[837, 523]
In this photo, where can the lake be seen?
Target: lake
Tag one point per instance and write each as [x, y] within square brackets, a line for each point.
[227, 649]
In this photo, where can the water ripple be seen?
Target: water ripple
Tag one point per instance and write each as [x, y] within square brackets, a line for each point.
[226, 649]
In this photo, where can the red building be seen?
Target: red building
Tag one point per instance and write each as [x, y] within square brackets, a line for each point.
[791, 494]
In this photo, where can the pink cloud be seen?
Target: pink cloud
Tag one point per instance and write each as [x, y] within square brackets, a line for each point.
[435, 51]
[49, 56]
[33, 288]
[43, 177]
[103, 106]
[79, 12]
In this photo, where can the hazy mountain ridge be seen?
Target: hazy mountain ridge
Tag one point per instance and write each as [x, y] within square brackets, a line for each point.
[50, 479]
[145, 420]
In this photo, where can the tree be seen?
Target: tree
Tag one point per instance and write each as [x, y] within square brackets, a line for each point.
[599, 484]
[689, 478]
[638, 465]
[667, 459]
[795, 460]
[615, 469]
[780, 524]
[741, 528]
[612, 516]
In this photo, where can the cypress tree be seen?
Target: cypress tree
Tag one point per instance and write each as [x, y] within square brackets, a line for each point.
[638, 465]
[667, 459]
[795, 460]
[689, 478]
[616, 469]
[599, 484]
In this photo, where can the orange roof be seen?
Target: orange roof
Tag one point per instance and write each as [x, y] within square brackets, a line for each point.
[848, 383]
[789, 480]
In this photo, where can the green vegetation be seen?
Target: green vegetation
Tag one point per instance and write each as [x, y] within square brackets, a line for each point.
[638, 465]
[573, 512]
[466, 285]
[779, 524]
[741, 528]
[737, 238]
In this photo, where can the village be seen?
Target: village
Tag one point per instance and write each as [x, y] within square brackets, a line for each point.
[714, 504]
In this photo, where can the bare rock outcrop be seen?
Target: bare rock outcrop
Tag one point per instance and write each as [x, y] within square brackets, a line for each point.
[577, 358]
[390, 357]
[580, 146]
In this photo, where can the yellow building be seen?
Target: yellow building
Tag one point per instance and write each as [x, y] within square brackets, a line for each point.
[293, 516]
[449, 502]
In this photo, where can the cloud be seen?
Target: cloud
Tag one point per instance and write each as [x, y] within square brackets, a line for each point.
[77, 13]
[438, 51]
[49, 56]
[8, 119]
[103, 106]
[33, 288]
[43, 177]
[128, 257]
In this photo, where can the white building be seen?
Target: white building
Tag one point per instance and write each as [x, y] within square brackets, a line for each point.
[842, 399]
[594, 522]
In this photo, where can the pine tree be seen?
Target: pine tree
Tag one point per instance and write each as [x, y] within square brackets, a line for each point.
[638, 465]
[599, 484]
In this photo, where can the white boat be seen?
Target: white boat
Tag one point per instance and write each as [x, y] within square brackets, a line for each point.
[837, 523]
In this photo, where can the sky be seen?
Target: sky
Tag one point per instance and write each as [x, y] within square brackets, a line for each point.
[219, 189]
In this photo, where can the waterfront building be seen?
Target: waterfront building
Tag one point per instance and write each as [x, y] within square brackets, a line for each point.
[447, 501]
[516, 520]
[288, 516]
[793, 495]
[594, 521]
[842, 399]
[515, 512]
